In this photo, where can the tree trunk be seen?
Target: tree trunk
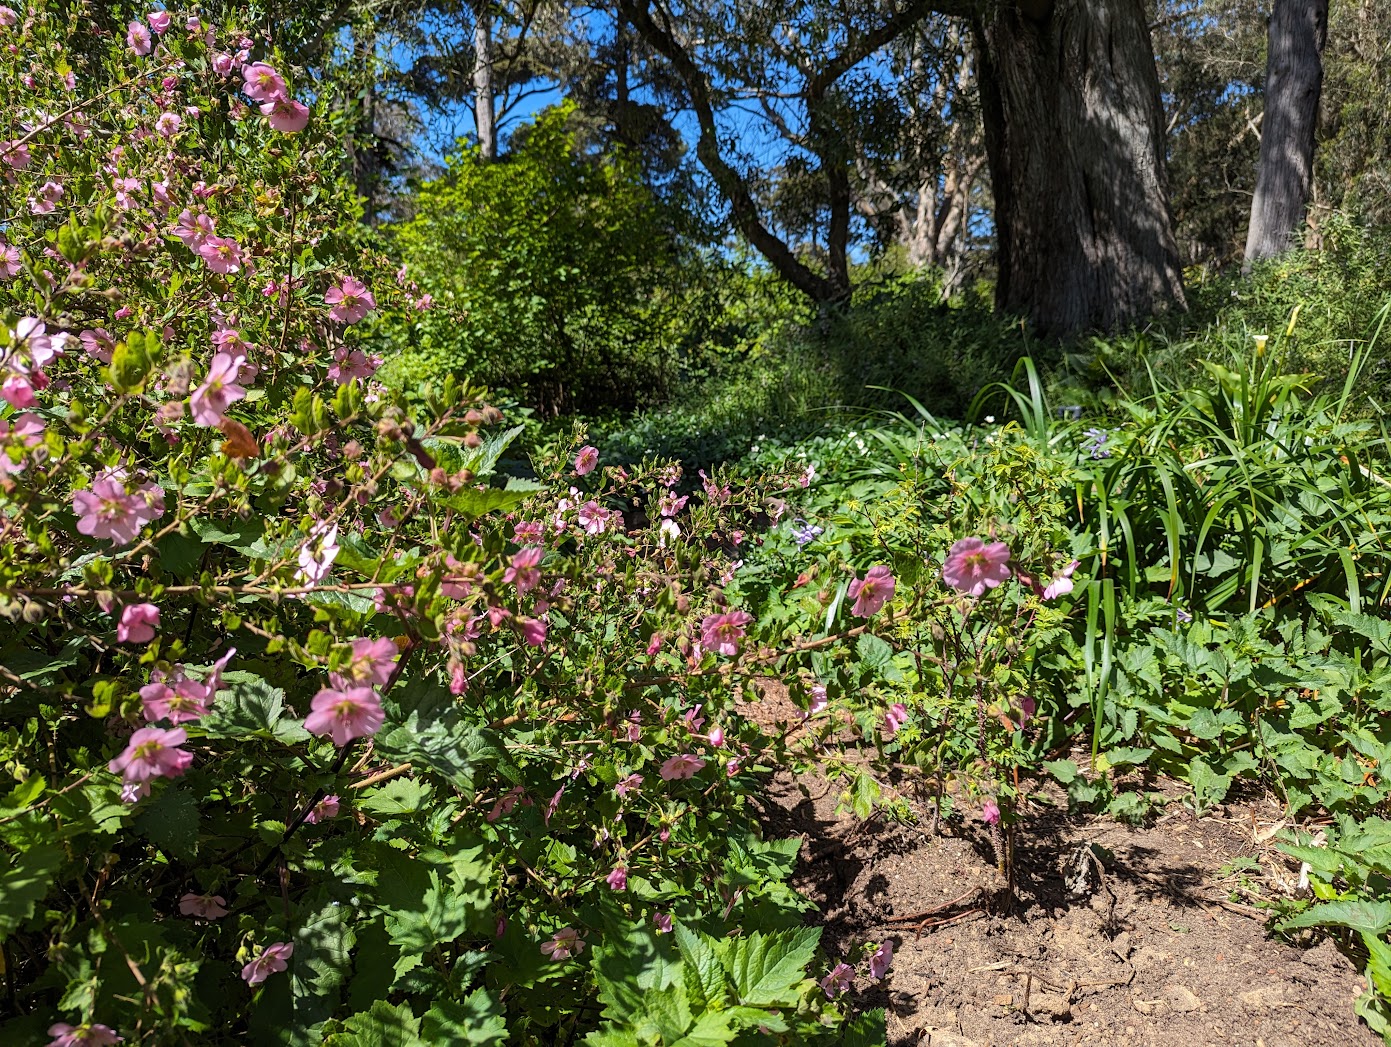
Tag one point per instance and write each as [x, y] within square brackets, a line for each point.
[1293, 83]
[1075, 139]
[484, 112]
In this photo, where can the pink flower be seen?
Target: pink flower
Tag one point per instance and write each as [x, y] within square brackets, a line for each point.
[990, 812]
[26, 432]
[1061, 584]
[880, 961]
[1027, 708]
[263, 83]
[716, 736]
[586, 460]
[895, 718]
[323, 810]
[424, 303]
[872, 592]
[565, 943]
[618, 879]
[533, 631]
[168, 124]
[110, 509]
[139, 39]
[219, 390]
[505, 803]
[18, 391]
[272, 960]
[221, 253]
[159, 21]
[11, 262]
[15, 154]
[372, 663]
[972, 567]
[8, 17]
[662, 921]
[680, 766]
[819, 701]
[99, 344]
[285, 115]
[523, 570]
[352, 363]
[194, 229]
[722, 632]
[354, 712]
[153, 752]
[138, 623]
[628, 784]
[350, 299]
[173, 696]
[94, 1035]
[223, 64]
[204, 906]
[47, 198]
[840, 978]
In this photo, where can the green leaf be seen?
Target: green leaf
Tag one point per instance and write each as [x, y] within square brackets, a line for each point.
[1064, 770]
[1370, 917]
[477, 1020]
[397, 797]
[252, 707]
[23, 883]
[170, 822]
[769, 971]
[875, 654]
[706, 983]
[382, 1026]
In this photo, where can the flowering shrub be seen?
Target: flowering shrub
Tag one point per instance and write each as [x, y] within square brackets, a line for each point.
[313, 729]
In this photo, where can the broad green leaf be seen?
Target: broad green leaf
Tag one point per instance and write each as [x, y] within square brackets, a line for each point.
[768, 971]
[170, 821]
[397, 797]
[476, 1020]
[1370, 917]
[382, 1026]
[24, 880]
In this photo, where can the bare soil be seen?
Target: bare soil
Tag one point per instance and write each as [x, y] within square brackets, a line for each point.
[1154, 950]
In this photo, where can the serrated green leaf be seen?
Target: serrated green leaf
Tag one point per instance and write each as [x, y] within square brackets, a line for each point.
[24, 880]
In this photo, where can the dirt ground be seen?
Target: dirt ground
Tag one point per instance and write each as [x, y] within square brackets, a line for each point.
[1151, 950]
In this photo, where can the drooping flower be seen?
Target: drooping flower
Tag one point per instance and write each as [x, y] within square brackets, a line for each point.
[219, 390]
[138, 623]
[564, 943]
[880, 961]
[1062, 583]
[716, 736]
[972, 566]
[722, 632]
[990, 812]
[153, 752]
[586, 460]
[505, 803]
[1095, 444]
[618, 879]
[350, 299]
[662, 921]
[533, 631]
[872, 592]
[683, 765]
[840, 978]
[343, 715]
[112, 509]
[18, 391]
[323, 810]
[895, 718]
[317, 554]
[139, 39]
[286, 115]
[89, 1035]
[819, 701]
[273, 959]
[204, 906]
[262, 82]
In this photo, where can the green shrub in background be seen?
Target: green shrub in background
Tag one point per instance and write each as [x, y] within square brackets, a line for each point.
[556, 277]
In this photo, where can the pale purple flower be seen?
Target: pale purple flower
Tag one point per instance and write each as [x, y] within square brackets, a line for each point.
[627, 784]
[323, 810]
[618, 879]
[112, 509]
[159, 21]
[272, 960]
[881, 959]
[662, 921]
[317, 554]
[204, 906]
[683, 765]
[219, 390]
[840, 978]
[565, 943]
[89, 1035]
[1061, 584]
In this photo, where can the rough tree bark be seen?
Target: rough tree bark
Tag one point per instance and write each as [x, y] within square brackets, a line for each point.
[1075, 138]
[484, 96]
[1293, 84]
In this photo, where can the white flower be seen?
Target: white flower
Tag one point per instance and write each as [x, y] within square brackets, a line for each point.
[316, 556]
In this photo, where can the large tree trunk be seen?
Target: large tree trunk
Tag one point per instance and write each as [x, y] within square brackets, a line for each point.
[484, 113]
[1293, 84]
[1075, 139]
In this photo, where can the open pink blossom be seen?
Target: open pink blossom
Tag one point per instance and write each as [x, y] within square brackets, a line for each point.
[174, 697]
[8, 17]
[168, 124]
[138, 623]
[627, 784]
[159, 21]
[350, 299]
[372, 663]
[113, 509]
[153, 752]
[224, 64]
[221, 253]
[15, 154]
[819, 701]
[872, 592]
[139, 39]
[262, 82]
[618, 879]
[323, 810]
[533, 631]
[840, 978]
[683, 765]
[203, 906]
[564, 943]
[523, 571]
[286, 115]
[89, 1035]
[46, 198]
[352, 363]
[272, 959]
[11, 261]
[25, 433]
[1061, 584]
[895, 718]
[586, 460]
[662, 921]
[990, 812]
[194, 229]
[219, 390]
[722, 632]
[99, 344]
[880, 961]
[32, 334]
[972, 566]
[354, 712]
[18, 391]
